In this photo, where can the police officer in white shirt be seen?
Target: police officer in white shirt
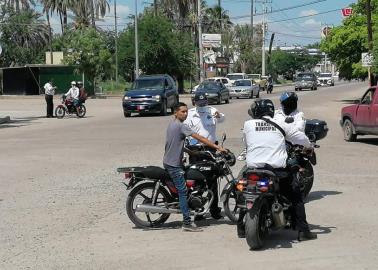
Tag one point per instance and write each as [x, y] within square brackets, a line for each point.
[49, 97]
[74, 93]
[266, 148]
[203, 118]
[289, 111]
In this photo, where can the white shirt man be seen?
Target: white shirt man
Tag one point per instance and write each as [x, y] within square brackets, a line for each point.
[49, 89]
[203, 121]
[298, 117]
[266, 144]
[73, 92]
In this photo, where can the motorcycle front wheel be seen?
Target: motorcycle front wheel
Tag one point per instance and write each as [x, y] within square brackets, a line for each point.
[142, 194]
[255, 225]
[60, 111]
[306, 179]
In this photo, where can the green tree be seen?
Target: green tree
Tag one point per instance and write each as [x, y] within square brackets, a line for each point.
[162, 49]
[24, 36]
[86, 49]
[18, 4]
[216, 20]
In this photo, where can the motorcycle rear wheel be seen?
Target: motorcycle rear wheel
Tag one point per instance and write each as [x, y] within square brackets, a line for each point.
[255, 225]
[82, 111]
[230, 207]
[145, 191]
[60, 112]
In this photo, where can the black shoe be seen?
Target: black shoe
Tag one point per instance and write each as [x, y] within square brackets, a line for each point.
[199, 218]
[191, 228]
[216, 213]
[307, 235]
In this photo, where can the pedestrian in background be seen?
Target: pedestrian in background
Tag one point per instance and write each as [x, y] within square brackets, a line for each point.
[49, 97]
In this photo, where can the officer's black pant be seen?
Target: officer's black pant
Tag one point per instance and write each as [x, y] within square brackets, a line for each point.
[49, 105]
[289, 187]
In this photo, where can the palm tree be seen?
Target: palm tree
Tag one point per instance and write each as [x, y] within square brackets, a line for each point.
[216, 20]
[59, 6]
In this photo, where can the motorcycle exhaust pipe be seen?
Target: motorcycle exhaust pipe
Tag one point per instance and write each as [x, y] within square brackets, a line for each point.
[278, 215]
[148, 208]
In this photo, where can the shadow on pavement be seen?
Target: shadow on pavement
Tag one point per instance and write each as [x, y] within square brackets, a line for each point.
[371, 141]
[20, 122]
[286, 238]
[347, 101]
[317, 195]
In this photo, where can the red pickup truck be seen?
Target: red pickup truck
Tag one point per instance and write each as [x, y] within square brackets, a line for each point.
[362, 117]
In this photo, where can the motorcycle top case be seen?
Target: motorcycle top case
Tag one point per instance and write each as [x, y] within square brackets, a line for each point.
[317, 127]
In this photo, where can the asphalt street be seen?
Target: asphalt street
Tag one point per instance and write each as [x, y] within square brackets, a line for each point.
[62, 203]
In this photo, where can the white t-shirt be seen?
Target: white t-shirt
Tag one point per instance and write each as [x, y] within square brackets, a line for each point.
[299, 120]
[203, 122]
[266, 144]
[49, 89]
[73, 92]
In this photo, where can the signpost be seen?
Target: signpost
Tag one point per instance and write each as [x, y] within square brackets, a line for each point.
[211, 40]
[367, 59]
[347, 11]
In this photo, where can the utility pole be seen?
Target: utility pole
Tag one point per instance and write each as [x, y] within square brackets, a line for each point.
[116, 41]
[155, 7]
[263, 40]
[370, 38]
[136, 41]
[252, 19]
[199, 19]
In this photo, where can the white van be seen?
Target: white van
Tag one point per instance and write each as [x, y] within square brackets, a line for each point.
[236, 76]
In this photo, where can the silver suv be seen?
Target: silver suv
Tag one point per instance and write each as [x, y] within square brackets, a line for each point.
[306, 80]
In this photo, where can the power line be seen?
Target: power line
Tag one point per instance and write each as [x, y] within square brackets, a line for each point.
[293, 35]
[305, 16]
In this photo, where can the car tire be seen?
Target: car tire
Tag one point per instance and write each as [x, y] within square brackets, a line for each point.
[251, 95]
[348, 128]
[258, 94]
[227, 100]
[126, 114]
[219, 101]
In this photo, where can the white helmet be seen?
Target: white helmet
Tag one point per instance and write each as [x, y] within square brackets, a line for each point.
[73, 83]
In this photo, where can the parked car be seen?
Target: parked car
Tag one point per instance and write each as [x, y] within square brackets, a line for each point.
[152, 93]
[262, 82]
[326, 79]
[306, 80]
[244, 88]
[236, 76]
[216, 92]
[361, 118]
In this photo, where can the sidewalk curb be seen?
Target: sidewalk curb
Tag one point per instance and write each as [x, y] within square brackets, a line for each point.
[5, 119]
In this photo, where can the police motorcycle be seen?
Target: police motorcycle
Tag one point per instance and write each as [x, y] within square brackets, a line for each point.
[267, 206]
[153, 196]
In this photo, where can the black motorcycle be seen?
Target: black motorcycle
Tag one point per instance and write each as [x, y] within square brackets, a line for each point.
[153, 196]
[259, 190]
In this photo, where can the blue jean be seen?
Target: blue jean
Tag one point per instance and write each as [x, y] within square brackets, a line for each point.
[177, 176]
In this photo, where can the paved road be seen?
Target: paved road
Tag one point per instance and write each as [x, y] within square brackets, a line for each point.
[62, 204]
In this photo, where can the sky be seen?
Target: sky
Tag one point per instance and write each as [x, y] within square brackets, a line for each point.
[300, 31]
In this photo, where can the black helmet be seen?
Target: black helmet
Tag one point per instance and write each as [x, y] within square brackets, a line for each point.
[289, 102]
[200, 100]
[260, 108]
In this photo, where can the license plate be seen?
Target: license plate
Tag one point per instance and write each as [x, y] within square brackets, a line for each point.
[140, 107]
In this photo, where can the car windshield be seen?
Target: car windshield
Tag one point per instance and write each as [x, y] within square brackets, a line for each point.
[209, 86]
[325, 75]
[242, 83]
[235, 76]
[305, 78]
[151, 84]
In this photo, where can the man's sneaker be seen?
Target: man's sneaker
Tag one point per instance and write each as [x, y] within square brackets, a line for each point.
[191, 228]
[307, 235]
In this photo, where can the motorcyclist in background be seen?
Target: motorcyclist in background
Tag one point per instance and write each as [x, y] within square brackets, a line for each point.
[74, 93]
[289, 112]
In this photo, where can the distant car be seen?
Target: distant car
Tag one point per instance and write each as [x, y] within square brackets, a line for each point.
[306, 80]
[236, 76]
[361, 118]
[244, 88]
[216, 92]
[262, 82]
[152, 94]
[223, 80]
[326, 79]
